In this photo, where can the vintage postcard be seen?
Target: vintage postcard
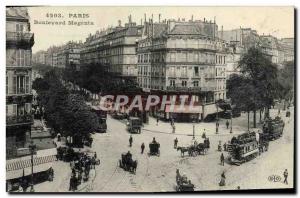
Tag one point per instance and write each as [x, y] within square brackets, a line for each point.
[150, 99]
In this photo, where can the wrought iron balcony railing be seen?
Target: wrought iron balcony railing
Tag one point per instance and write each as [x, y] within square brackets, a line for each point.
[19, 120]
[189, 89]
[20, 38]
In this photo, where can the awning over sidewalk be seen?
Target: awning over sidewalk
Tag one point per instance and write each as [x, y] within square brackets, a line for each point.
[21, 164]
[211, 109]
[27, 171]
[183, 109]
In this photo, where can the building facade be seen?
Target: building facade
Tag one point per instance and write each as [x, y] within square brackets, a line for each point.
[183, 57]
[19, 42]
[40, 57]
[68, 55]
[287, 46]
[114, 49]
[245, 37]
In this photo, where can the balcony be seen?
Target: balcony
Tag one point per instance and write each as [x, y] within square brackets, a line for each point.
[190, 89]
[19, 99]
[19, 39]
[19, 120]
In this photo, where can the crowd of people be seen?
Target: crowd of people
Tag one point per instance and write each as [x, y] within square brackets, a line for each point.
[81, 169]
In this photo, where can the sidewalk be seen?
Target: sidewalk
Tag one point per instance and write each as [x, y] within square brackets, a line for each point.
[187, 128]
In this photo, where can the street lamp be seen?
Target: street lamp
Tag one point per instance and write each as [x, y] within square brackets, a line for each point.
[231, 122]
[217, 122]
[32, 148]
[193, 131]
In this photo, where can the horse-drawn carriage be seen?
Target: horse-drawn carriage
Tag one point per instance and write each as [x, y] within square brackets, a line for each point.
[273, 127]
[66, 154]
[183, 184]
[195, 148]
[134, 125]
[127, 163]
[154, 148]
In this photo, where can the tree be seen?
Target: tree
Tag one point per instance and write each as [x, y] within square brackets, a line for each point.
[66, 113]
[39, 84]
[243, 94]
[286, 82]
[262, 75]
[78, 118]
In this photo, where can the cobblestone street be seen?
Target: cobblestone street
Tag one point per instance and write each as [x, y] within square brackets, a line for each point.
[158, 173]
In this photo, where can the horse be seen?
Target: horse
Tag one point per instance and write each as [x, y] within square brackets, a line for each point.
[201, 148]
[185, 149]
[133, 166]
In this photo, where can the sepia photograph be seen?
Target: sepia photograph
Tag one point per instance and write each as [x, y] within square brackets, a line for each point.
[150, 99]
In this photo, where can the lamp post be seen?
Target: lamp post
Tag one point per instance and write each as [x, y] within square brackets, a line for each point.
[32, 148]
[193, 131]
[231, 122]
[217, 117]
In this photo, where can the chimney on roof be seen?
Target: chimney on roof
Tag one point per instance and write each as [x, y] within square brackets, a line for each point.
[145, 17]
[129, 18]
[120, 23]
[159, 18]
[222, 32]
[204, 20]
[192, 18]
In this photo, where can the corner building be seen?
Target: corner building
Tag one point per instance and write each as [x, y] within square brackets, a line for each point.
[19, 42]
[183, 58]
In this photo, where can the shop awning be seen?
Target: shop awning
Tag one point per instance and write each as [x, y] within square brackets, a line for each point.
[183, 109]
[27, 171]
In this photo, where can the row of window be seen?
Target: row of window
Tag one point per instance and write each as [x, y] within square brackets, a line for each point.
[18, 57]
[18, 110]
[220, 59]
[221, 83]
[182, 57]
[18, 85]
[148, 58]
[219, 96]
[220, 72]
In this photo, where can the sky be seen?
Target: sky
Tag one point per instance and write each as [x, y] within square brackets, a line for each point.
[277, 21]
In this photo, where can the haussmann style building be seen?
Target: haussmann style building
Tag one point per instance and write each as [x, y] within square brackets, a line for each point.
[19, 41]
[183, 57]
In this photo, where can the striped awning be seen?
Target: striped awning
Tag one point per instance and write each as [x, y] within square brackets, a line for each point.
[22, 164]
[27, 171]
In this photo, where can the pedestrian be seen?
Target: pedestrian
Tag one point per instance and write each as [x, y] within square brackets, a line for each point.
[285, 175]
[142, 148]
[227, 124]
[278, 111]
[172, 122]
[222, 182]
[219, 146]
[225, 146]
[130, 141]
[173, 128]
[95, 155]
[157, 120]
[175, 143]
[222, 159]
[204, 135]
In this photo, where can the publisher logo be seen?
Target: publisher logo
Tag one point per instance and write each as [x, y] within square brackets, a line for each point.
[274, 178]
